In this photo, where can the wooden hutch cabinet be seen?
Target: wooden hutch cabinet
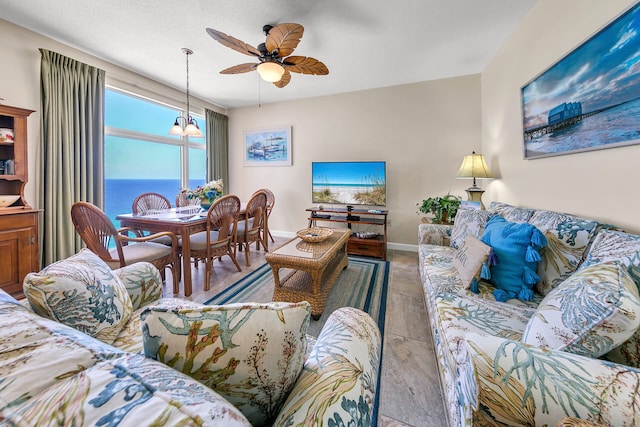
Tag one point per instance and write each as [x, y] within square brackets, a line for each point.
[19, 253]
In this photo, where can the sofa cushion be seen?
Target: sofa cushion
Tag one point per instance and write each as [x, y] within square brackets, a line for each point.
[590, 313]
[130, 337]
[82, 292]
[52, 374]
[610, 245]
[469, 260]
[515, 246]
[511, 213]
[249, 353]
[568, 238]
[468, 222]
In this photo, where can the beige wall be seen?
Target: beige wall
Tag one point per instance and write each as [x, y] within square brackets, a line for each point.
[421, 130]
[600, 184]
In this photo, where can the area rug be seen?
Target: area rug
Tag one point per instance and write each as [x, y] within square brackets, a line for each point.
[363, 284]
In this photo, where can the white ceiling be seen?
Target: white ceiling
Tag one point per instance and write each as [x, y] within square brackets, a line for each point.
[364, 43]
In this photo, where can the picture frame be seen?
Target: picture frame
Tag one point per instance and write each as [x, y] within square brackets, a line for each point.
[590, 98]
[267, 147]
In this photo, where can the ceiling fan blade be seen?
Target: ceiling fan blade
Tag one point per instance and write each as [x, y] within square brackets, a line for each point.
[285, 38]
[240, 68]
[286, 78]
[233, 43]
[305, 65]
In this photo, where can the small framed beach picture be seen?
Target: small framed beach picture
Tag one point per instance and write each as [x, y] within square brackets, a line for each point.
[268, 147]
[590, 98]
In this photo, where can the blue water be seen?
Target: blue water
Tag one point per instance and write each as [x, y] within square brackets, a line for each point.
[119, 193]
[616, 125]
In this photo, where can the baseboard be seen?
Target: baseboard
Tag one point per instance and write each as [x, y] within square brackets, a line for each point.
[402, 247]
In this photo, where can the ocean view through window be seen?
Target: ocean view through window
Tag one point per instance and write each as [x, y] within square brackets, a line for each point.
[141, 156]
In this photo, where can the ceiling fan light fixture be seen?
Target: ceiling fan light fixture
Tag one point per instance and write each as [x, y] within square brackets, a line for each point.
[270, 71]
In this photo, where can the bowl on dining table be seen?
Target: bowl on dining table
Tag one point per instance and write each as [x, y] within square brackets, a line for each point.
[7, 200]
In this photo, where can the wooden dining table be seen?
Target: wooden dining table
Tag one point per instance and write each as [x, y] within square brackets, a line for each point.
[182, 221]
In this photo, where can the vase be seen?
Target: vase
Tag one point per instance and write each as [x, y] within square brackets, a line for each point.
[205, 203]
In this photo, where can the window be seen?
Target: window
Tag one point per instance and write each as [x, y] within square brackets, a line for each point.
[141, 156]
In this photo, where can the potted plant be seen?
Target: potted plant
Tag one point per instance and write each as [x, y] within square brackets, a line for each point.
[443, 208]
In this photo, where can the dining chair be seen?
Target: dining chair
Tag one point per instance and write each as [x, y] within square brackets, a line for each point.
[182, 200]
[147, 202]
[271, 201]
[250, 228]
[97, 231]
[219, 239]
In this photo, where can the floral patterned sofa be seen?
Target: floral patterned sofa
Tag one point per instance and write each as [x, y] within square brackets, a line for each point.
[572, 350]
[73, 353]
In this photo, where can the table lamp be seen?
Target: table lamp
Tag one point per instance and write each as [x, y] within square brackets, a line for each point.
[474, 166]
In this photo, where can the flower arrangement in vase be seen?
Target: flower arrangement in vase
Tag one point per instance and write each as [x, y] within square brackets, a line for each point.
[207, 193]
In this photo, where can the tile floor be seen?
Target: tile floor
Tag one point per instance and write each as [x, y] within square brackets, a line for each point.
[410, 393]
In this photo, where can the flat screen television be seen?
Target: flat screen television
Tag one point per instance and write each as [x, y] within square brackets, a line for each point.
[349, 183]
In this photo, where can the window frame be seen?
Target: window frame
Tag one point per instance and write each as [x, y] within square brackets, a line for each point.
[183, 142]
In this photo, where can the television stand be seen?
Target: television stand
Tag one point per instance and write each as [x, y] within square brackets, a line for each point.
[375, 247]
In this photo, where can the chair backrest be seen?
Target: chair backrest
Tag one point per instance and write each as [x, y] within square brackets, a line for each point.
[223, 215]
[95, 229]
[271, 199]
[182, 200]
[149, 201]
[256, 207]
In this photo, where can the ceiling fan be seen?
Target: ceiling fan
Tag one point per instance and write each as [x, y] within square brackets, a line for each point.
[275, 65]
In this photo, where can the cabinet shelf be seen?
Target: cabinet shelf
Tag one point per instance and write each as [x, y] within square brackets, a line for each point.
[18, 222]
[374, 247]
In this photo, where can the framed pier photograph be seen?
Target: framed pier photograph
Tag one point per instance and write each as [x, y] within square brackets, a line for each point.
[590, 98]
[268, 147]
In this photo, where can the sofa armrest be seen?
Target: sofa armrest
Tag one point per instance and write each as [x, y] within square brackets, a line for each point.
[339, 381]
[143, 283]
[434, 234]
[519, 384]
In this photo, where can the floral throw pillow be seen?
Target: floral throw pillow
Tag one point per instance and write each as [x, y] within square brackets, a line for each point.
[469, 261]
[590, 313]
[82, 292]
[249, 353]
[468, 222]
[568, 238]
[610, 245]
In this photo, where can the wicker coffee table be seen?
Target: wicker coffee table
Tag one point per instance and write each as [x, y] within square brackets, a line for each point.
[311, 269]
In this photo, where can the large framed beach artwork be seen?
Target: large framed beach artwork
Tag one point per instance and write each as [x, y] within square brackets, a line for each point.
[268, 147]
[590, 99]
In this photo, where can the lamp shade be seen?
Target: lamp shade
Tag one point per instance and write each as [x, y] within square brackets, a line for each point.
[270, 71]
[474, 166]
[192, 130]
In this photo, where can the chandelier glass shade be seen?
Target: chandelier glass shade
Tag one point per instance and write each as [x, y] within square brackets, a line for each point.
[186, 125]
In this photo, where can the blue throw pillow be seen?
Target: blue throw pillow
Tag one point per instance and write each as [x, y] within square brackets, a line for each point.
[514, 259]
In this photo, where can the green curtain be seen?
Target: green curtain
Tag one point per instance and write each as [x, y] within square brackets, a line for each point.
[218, 147]
[72, 148]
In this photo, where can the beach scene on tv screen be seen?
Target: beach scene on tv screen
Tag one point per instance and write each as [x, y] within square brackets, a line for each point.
[349, 183]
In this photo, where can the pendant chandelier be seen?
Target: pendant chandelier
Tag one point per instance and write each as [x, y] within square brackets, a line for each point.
[190, 128]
